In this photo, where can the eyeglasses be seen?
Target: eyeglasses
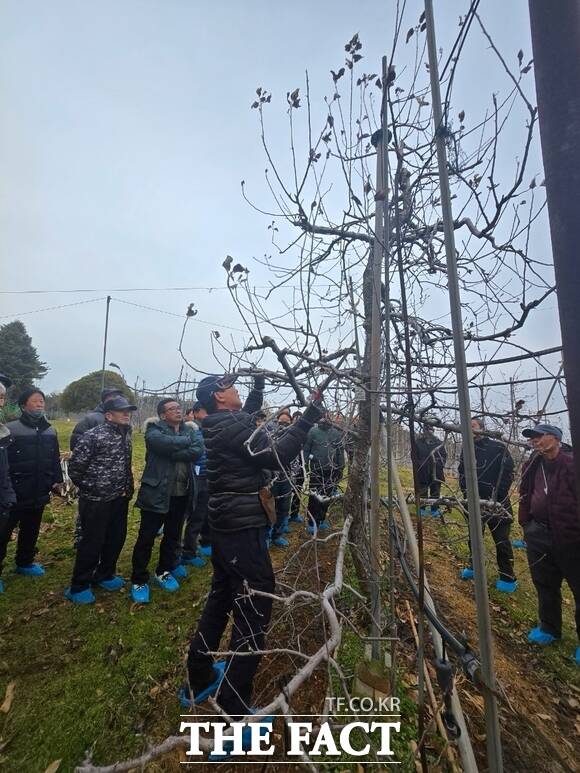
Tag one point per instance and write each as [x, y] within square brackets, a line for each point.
[173, 408]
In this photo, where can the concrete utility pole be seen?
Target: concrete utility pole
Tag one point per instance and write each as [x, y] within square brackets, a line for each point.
[556, 51]
[105, 342]
[493, 737]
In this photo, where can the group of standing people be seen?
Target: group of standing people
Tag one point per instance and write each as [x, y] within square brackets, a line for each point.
[548, 514]
[236, 483]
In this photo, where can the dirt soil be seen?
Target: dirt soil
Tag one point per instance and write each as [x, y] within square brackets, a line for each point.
[540, 716]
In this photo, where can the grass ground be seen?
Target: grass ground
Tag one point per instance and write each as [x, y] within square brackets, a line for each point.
[86, 678]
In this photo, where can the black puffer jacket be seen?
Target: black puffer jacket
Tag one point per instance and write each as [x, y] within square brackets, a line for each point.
[93, 419]
[7, 495]
[34, 459]
[431, 458]
[235, 474]
[495, 469]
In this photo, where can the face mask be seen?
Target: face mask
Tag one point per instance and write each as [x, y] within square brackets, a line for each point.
[36, 414]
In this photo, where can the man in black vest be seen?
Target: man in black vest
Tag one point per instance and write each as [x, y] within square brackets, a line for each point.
[239, 458]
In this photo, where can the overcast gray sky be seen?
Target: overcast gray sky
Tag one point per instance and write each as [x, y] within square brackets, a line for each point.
[125, 133]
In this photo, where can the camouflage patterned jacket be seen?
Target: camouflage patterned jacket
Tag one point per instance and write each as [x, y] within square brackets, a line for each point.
[100, 464]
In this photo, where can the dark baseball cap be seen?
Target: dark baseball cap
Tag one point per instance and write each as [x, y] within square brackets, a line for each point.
[119, 404]
[543, 429]
[209, 385]
[108, 391]
[5, 380]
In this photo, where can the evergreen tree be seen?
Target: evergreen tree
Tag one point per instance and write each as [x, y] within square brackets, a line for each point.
[19, 359]
[85, 393]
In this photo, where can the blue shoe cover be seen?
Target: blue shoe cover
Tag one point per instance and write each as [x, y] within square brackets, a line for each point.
[81, 597]
[424, 512]
[205, 550]
[436, 513]
[140, 594]
[196, 561]
[184, 693]
[466, 574]
[1, 586]
[506, 587]
[577, 656]
[280, 542]
[519, 543]
[114, 584]
[296, 519]
[323, 525]
[167, 581]
[537, 636]
[180, 572]
[34, 570]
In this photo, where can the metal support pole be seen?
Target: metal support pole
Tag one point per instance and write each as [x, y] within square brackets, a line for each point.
[556, 51]
[105, 342]
[493, 736]
[544, 408]
[375, 401]
[463, 742]
[387, 430]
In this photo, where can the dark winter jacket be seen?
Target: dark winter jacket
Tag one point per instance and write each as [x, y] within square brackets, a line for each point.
[165, 448]
[201, 463]
[562, 502]
[431, 458]
[7, 495]
[236, 473]
[34, 460]
[100, 464]
[93, 419]
[326, 447]
[495, 470]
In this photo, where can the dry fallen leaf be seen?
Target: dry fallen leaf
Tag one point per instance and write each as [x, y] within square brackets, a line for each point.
[8, 698]
[546, 717]
[53, 767]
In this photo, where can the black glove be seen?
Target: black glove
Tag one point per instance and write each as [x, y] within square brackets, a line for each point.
[259, 382]
[313, 412]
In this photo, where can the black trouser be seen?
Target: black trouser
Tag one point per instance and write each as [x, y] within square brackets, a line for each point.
[430, 491]
[236, 557]
[322, 482]
[282, 491]
[102, 536]
[196, 520]
[28, 521]
[169, 550]
[549, 565]
[500, 527]
[297, 483]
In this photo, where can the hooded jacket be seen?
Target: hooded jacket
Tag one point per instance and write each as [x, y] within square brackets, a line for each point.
[93, 419]
[562, 502]
[238, 469]
[495, 469]
[164, 448]
[100, 464]
[34, 460]
[7, 495]
[431, 457]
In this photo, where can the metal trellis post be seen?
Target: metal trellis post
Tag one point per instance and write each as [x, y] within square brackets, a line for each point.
[493, 736]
